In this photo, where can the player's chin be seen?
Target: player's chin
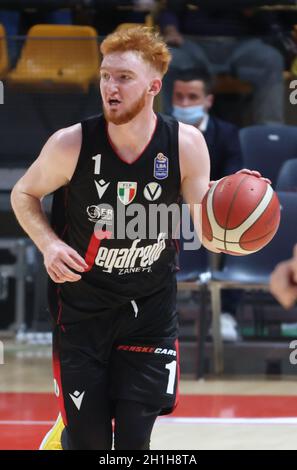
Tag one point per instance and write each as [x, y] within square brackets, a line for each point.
[117, 118]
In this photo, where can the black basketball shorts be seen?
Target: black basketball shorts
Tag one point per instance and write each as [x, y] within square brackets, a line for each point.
[127, 353]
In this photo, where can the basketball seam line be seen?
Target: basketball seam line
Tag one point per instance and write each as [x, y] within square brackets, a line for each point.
[249, 241]
[230, 209]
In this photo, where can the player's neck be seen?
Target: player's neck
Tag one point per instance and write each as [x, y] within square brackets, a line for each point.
[131, 139]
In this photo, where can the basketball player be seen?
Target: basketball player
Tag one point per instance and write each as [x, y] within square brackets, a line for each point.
[283, 281]
[113, 300]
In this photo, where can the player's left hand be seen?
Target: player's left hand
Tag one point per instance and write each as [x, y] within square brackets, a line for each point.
[248, 172]
[254, 173]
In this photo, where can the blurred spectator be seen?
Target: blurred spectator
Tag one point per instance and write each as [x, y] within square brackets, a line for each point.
[192, 100]
[11, 22]
[227, 42]
[45, 15]
[283, 281]
[110, 13]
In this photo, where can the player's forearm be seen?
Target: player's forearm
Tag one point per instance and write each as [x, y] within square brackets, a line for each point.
[32, 218]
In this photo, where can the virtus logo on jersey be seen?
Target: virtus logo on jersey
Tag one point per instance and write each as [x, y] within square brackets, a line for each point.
[152, 191]
[133, 259]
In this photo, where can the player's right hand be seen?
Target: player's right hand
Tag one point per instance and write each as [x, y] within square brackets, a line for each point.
[61, 261]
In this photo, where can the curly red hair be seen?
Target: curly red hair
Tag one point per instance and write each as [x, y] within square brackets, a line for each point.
[141, 39]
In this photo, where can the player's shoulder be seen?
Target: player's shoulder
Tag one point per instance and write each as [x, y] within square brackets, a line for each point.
[61, 151]
[189, 134]
[67, 138]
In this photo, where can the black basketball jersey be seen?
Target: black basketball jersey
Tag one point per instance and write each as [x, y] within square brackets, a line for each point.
[94, 215]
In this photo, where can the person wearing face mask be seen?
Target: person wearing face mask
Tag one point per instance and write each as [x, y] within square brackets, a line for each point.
[192, 101]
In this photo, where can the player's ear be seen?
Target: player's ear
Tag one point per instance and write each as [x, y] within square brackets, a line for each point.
[155, 86]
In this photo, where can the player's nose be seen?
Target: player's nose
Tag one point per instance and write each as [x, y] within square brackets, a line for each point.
[112, 86]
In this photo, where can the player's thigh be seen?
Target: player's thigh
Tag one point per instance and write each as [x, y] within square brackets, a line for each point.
[134, 422]
[82, 386]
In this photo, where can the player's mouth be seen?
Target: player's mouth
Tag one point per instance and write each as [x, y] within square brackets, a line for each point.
[113, 103]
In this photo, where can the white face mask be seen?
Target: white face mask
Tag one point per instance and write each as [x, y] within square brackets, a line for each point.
[189, 114]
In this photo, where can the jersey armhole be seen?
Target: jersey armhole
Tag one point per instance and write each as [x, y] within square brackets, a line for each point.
[80, 159]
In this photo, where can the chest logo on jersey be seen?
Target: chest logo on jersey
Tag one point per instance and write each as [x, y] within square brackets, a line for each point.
[161, 166]
[126, 191]
[101, 187]
[152, 191]
[100, 213]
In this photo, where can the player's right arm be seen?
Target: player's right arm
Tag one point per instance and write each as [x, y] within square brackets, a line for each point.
[51, 170]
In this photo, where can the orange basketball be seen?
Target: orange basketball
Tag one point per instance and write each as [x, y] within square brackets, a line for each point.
[240, 214]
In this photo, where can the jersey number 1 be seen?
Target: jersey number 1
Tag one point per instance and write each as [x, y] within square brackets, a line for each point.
[97, 159]
[171, 379]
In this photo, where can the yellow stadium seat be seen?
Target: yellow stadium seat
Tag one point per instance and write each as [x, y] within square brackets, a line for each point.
[4, 61]
[58, 56]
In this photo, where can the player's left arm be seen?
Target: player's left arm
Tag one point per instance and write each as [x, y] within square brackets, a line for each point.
[195, 173]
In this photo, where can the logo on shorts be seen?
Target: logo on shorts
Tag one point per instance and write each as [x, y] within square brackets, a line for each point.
[161, 167]
[77, 398]
[126, 191]
[147, 349]
[152, 191]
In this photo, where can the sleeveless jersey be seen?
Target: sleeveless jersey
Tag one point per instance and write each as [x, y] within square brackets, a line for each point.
[107, 199]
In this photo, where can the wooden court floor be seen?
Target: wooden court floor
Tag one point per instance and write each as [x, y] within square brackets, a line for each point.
[226, 413]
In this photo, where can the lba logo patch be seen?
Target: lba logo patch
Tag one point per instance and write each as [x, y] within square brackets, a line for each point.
[152, 191]
[126, 191]
[160, 167]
